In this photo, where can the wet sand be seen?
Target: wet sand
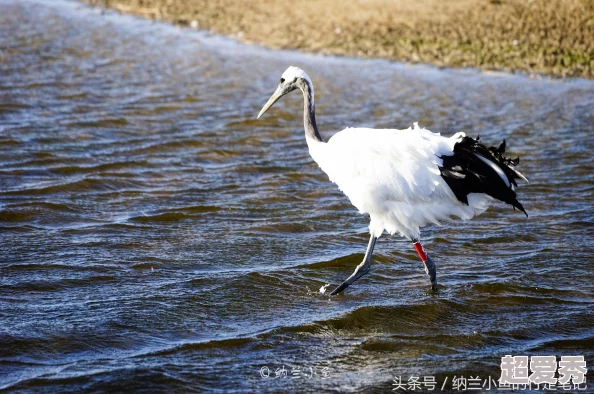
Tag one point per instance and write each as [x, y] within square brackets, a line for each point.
[551, 37]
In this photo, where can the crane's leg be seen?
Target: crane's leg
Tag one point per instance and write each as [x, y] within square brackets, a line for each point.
[430, 267]
[361, 269]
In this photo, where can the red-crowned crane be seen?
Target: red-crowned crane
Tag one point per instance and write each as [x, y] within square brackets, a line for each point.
[405, 179]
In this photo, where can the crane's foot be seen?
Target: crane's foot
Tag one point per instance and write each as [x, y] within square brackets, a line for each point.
[430, 267]
[431, 270]
[361, 269]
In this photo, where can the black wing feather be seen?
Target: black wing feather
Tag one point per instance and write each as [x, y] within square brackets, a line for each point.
[466, 173]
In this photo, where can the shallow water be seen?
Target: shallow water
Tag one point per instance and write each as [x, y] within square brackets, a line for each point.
[156, 237]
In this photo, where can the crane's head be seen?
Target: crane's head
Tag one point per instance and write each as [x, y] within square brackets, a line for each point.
[292, 78]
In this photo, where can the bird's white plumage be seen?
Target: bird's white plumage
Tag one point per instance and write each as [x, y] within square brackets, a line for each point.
[394, 176]
[293, 73]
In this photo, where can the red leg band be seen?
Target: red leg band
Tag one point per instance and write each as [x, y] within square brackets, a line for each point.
[420, 251]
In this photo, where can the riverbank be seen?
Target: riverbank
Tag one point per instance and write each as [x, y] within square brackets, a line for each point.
[552, 37]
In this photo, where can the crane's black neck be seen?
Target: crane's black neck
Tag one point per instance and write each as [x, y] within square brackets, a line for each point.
[309, 111]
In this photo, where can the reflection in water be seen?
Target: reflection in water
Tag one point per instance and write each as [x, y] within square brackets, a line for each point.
[155, 235]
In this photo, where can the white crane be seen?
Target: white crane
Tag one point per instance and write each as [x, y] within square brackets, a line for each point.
[404, 179]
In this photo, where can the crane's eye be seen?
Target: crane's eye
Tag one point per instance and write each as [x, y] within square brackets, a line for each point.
[282, 80]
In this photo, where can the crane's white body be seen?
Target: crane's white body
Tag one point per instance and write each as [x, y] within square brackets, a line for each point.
[394, 176]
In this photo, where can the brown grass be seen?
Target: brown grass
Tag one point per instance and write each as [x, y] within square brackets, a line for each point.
[554, 37]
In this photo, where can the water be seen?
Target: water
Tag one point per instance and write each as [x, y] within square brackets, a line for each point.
[156, 237]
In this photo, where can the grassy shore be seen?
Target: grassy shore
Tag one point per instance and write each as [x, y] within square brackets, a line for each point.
[552, 37]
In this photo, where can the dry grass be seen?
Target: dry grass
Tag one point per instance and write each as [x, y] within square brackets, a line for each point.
[554, 37]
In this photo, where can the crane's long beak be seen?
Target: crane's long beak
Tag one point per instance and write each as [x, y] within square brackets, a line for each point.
[278, 93]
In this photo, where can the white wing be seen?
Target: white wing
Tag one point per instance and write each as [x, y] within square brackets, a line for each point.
[393, 175]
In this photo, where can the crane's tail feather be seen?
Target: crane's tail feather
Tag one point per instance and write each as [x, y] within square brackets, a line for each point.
[476, 168]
